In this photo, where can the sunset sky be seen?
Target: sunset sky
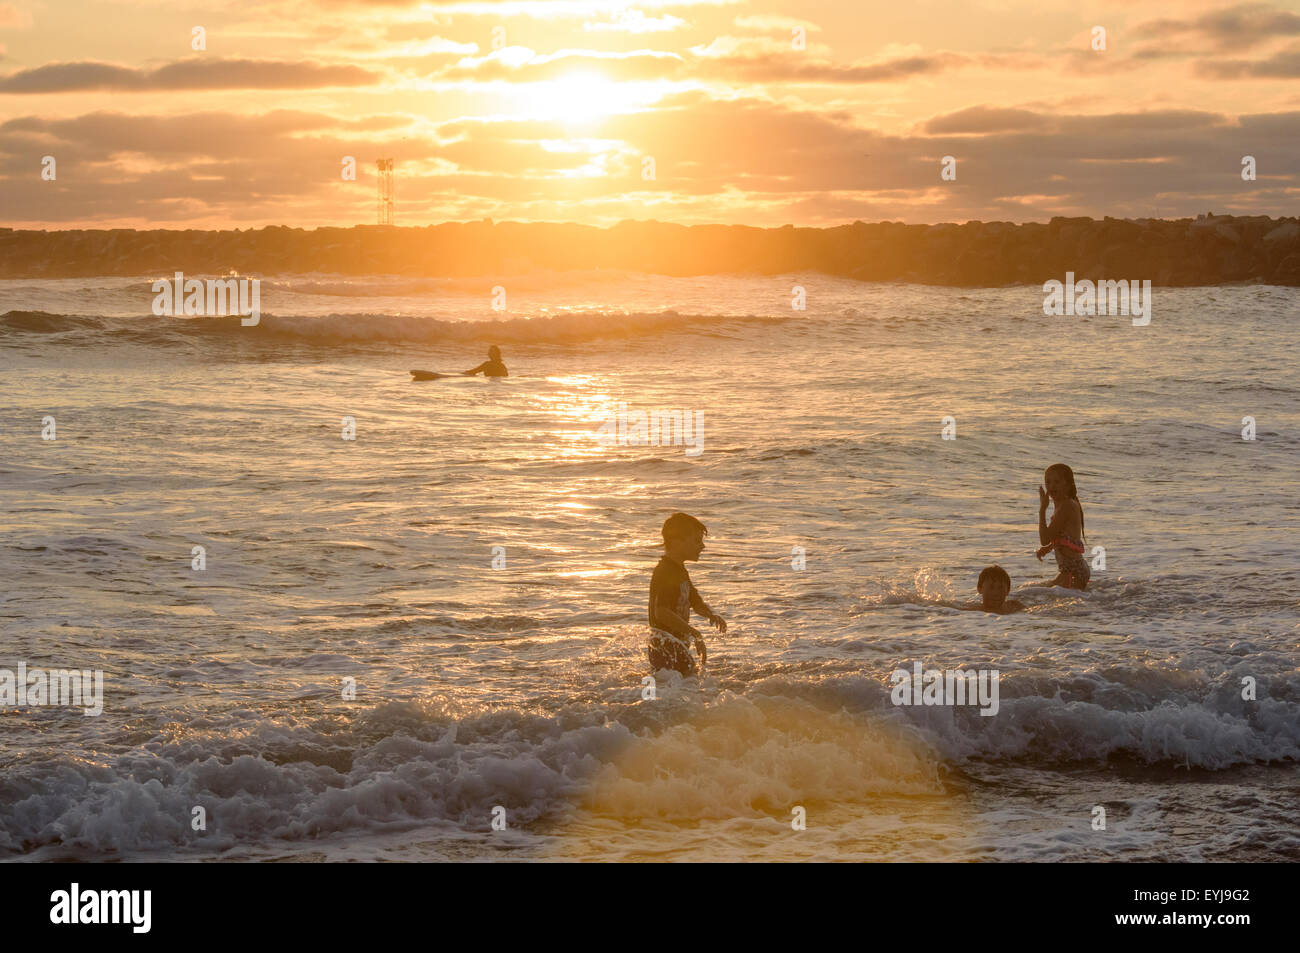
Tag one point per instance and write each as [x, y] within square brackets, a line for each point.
[555, 124]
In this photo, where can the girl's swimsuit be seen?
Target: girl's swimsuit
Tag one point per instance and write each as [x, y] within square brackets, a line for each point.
[1069, 559]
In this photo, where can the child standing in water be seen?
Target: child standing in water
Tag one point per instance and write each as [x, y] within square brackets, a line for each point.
[672, 597]
[1064, 534]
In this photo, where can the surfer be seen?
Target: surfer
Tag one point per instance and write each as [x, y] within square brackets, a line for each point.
[1064, 534]
[492, 367]
[993, 585]
[672, 597]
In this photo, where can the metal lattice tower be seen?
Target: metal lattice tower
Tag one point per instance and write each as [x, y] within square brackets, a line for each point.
[385, 191]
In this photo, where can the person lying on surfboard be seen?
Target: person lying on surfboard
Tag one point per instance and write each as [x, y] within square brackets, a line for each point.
[672, 597]
[993, 585]
[492, 367]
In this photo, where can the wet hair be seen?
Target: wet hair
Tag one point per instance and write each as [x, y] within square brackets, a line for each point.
[1065, 471]
[680, 524]
[494, 351]
[993, 572]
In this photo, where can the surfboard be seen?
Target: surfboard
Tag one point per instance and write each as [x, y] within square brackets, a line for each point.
[442, 375]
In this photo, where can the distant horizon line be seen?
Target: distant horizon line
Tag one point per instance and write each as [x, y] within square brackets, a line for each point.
[487, 220]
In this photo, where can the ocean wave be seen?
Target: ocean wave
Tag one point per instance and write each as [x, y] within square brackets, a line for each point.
[42, 322]
[1151, 714]
[692, 754]
[378, 328]
[364, 286]
[414, 765]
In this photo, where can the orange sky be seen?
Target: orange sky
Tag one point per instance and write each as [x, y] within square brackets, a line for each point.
[549, 110]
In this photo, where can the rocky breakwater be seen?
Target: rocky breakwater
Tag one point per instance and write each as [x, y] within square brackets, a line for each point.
[1208, 250]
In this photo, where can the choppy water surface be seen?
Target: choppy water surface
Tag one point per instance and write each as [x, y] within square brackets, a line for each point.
[520, 686]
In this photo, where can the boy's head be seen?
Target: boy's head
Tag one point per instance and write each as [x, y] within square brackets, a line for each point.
[684, 537]
[494, 353]
[994, 584]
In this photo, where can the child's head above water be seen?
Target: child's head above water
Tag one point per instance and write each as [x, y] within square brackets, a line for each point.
[993, 585]
[684, 537]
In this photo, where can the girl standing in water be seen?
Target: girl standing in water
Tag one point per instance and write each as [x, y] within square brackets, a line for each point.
[1064, 534]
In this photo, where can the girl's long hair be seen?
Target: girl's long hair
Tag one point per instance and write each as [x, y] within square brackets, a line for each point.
[1074, 493]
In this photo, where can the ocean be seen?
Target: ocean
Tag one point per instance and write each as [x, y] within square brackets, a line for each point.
[397, 640]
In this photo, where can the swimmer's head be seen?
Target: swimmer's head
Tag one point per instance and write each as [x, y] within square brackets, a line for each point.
[1059, 480]
[994, 584]
[494, 353]
[684, 536]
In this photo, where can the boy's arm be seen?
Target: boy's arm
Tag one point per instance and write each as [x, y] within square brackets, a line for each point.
[665, 618]
[475, 370]
[698, 604]
[701, 607]
[668, 620]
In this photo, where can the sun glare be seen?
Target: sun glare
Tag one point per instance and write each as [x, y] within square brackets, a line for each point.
[587, 97]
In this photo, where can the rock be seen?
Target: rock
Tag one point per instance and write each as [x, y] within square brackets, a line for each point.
[1287, 271]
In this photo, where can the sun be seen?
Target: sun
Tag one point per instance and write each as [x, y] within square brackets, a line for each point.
[588, 97]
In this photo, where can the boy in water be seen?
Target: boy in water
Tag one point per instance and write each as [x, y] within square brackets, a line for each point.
[993, 586]
[492, 367]
[672, 597]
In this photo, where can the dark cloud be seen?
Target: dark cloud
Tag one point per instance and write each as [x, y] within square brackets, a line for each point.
[796, 68]
[1233, 28]
[792, 67]
[191, 134]
[984, 119]
[195, 74]
[1283, 65]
